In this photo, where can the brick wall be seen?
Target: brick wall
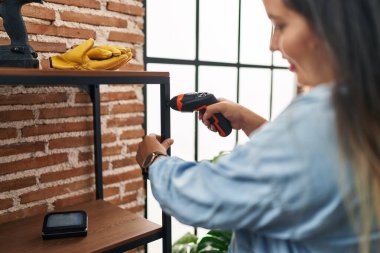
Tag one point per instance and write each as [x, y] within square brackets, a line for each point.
[46, 136]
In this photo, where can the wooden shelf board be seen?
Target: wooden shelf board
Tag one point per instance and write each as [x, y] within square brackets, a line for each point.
[81, 73]
[108, 227]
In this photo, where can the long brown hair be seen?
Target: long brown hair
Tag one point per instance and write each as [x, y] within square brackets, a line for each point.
[351, 30]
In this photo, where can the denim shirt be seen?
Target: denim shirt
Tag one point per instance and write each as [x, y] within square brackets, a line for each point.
[280, 192]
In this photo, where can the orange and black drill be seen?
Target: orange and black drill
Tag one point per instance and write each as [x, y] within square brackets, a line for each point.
[198, 101]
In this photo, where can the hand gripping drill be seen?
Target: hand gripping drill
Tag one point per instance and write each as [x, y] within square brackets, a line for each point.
[198, 101]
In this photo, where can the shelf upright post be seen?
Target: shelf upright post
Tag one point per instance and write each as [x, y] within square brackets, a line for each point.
[95, 97]
[165, 133]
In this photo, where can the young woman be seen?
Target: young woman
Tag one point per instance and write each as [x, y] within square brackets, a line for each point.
[310, 180]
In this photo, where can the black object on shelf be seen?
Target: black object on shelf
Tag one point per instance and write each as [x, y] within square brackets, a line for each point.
[19, 53]
[64, 224]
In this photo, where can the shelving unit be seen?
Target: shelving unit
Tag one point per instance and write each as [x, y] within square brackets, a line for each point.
[111, 229]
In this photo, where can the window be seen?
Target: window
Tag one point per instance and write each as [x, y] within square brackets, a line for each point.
[216, 46]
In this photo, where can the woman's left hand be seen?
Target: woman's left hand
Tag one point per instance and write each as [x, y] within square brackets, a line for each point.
[152, 143]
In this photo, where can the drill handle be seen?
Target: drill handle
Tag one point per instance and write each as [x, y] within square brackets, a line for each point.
[222, 125]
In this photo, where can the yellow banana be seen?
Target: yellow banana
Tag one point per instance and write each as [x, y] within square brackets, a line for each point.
[124, 50]
[98, 53]
[109, 64]
[86, 57]
[73, 58]
[115, 51]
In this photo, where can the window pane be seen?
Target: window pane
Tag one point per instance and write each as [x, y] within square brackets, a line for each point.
[221, 81]
[284, 90]
[171, 29]
[255, 33]
[255, 93]
[218, 30]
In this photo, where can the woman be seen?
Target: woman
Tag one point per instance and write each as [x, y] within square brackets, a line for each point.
[310, 180]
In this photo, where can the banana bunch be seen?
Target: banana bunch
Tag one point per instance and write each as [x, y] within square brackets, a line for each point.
[87, 57]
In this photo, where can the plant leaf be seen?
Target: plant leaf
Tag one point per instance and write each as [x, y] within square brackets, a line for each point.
[221, 234]
[186, 244]
[212, 243]
[186, 238]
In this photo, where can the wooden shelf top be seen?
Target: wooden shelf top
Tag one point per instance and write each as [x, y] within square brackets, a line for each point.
[108, 226]
[82, 73]
[51, 77]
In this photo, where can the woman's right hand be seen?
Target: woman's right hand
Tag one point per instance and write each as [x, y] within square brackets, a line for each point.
[239, 116]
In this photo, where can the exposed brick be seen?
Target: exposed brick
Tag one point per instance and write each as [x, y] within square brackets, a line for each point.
[120, 122]
[124, 162]
[56, 128]
[93, 19]
[126, 8]
[31, 99]
[59, 31]
[38, 12]
[78, 199]
[111, 179]
[93, 4]
[114, 96]
[19, 183]
[110, 151]
[41, 46]
[57, 190]
[85, 156]
[16, 115]
[63, 174]
[45, 64]
[5, 203]
[54, 47]
[126, 108]
[34, 210]
[50, 113]
[126, 37]
[132, 147]
[132, 134]
[8, 133]
[105, 166]
[111, 191]
[71, 142]
[20, 148]
[82, 97]
[32, 163]
[124, 199]
[107, 138]
[134, 186]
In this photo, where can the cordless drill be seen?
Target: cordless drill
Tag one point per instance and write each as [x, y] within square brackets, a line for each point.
[198, 101]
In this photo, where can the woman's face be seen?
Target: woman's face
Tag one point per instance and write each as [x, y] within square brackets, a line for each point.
[298, 43]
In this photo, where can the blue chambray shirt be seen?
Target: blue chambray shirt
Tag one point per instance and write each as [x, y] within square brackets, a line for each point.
[280, 192]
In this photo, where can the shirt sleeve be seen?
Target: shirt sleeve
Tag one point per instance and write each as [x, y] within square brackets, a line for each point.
[281, 183]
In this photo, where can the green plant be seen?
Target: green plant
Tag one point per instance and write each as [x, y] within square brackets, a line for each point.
[215, 241]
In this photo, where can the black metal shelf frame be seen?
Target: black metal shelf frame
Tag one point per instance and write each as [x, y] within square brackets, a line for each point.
[91, 84]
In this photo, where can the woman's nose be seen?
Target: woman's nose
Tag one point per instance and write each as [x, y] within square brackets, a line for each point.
[273, 46]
